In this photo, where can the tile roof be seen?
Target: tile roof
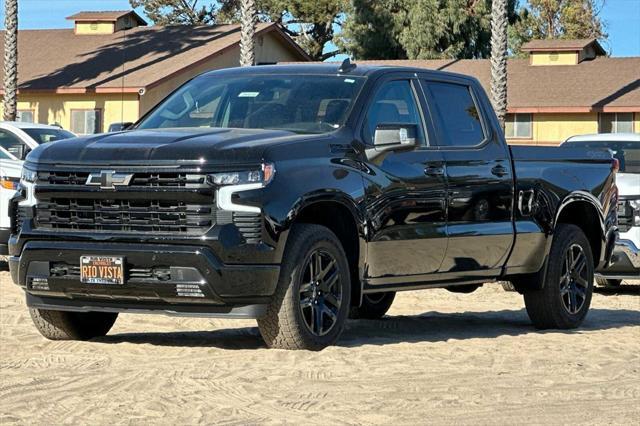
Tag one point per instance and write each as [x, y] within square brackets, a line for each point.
[603, 82]
[59, 59]
[561, 45]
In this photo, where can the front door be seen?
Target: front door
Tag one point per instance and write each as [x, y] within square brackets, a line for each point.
[479, 179]
[405, 192]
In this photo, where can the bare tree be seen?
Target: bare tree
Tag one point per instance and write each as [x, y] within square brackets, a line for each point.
[10, 98]
[248, 18]
[499, 38]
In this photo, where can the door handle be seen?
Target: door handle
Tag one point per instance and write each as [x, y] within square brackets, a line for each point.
[499, 171]
[434, 171]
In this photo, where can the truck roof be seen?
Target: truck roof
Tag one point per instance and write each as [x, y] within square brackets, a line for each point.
[329, 68]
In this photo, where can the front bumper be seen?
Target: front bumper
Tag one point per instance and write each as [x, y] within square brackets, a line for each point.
[625, 261]
[171, 279]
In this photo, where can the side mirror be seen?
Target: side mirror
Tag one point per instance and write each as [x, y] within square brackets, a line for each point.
[391, 136]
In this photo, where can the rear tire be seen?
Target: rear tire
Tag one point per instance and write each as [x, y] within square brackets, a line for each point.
[604, 282]
[374, 306]
[312, 300]
[62, 325]
[564, 299]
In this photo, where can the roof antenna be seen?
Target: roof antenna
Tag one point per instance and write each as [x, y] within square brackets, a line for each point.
[347, 66]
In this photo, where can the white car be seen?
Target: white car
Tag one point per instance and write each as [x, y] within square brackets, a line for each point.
[626, 256]
[16, 141]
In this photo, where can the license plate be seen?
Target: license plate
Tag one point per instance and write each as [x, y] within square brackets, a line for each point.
[102, 270]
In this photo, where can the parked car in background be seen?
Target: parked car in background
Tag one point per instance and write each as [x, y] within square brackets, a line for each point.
[298, 195]
[626, 256]
[16, 141]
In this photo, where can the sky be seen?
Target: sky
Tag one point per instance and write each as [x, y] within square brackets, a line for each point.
[622, 18]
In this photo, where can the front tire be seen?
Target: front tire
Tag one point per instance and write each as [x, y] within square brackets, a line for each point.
[312, 300]
[374, 306]
[62, 325]
[564, 299]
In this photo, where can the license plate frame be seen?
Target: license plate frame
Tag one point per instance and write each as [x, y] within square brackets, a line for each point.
[102, 270]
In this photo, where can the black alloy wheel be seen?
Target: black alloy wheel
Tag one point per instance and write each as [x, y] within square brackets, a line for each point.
[320, 292]
[574, 282]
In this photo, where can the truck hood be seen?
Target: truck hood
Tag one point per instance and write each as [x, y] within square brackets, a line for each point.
[165, 146]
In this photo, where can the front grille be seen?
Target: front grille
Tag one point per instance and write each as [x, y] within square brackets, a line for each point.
[124, 215]
[153, 201]
[145, 180]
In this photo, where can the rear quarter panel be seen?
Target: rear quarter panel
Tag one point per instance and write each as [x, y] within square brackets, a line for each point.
[557, 177]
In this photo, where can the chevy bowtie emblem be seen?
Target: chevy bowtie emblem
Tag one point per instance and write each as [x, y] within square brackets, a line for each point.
[109, 179]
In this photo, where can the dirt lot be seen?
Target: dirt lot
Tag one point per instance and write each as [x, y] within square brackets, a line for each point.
[438, 358]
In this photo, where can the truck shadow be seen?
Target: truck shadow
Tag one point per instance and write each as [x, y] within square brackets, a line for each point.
[624, 289]
[426, 327]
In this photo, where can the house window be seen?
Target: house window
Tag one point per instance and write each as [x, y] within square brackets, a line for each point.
[86, 121]
[616, 122]
[25, 116]
[518, 126]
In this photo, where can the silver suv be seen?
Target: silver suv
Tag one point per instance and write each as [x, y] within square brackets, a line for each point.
[626, 148]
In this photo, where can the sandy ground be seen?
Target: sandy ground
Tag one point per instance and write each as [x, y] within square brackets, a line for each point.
[437, 358]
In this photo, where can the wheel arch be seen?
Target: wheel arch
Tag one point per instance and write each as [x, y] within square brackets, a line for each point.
[585, 211]
[341, 215]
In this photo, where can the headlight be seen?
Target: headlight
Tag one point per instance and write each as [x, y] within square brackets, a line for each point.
[230, 183]
[29, 175]
[263, 176]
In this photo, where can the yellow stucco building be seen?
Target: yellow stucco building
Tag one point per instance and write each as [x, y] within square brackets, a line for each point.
[112, 68]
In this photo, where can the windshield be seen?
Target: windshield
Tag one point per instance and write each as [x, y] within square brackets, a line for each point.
[628, 153]
[301, 104]
[48, 135]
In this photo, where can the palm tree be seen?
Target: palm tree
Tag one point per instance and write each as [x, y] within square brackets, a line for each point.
[248, 19]
[10, 98]
[499, 58]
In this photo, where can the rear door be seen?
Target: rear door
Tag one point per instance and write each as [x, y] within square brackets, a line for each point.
[405, 190]
[479, 179]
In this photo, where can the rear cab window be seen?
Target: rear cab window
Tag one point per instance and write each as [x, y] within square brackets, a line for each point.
[455, 113]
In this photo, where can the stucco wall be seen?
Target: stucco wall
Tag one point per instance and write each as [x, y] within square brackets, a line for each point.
[52, 108]
[554, 58]
[94, 28]
[553, 129]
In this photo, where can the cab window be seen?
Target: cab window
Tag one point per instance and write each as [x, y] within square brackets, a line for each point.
[456, 114]
[394, 103]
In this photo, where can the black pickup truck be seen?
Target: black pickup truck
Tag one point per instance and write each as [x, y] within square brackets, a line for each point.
[301, 195]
